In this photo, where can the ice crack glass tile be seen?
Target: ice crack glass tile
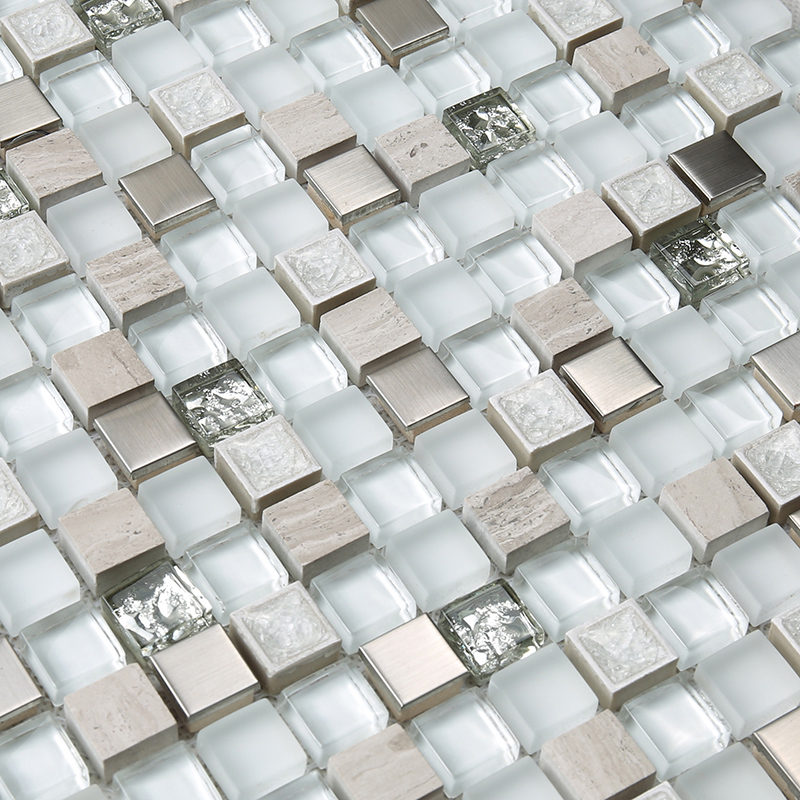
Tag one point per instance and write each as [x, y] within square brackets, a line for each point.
[698, 258]
[490, 629]
[18, 515]
[158, 609]
[487, 126]
[571, 23]
[112, 20]
[12, 201]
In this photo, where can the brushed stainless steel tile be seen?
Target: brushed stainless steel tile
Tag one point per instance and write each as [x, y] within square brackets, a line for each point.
[25, 114]
[19, 697]
[777, 369]
[777, 747]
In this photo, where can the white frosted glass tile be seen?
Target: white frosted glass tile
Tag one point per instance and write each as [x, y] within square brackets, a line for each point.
[390, 493]
[696, 614]
[733, 774]
[233, 749]
[188, 503]
[511, 267]
[124, 140]
[234, 569]
[463, 455]
[765, 225]
[332, 710]
[522, 780]
[153, 57]
[443, 74]
[31, 412]
[311, 786]
[660, 445]
[599, 148]
[224, 31]
[779, 57]
[676, 727]
[249, 310]
[35, 581]
[362, 600]
[509, 46]
[265, 80]
[461, 15]
[342, 431]
[746, 22]
[9, 66]
[488, 358]
[464, 740]
[750, 683]
[57, 315]
[236, 165]
[334, 52]
[176, 344]
[784, 277]
[39, 762]
[279, 218]
[730, 410]
[14, 355]
[91, 225]
[553, 98]
[84, 88]
[395, 243]
[684, 38]
[762, 572]
[666, 120]
[68, 653]
[207, 252]
[635, 12]
[565, 587]
[285, 19]
[589, 482]
[531, 179]
[438, 560]
[465, 211]
[174, 774]
[442, 300]
[541, 697]
[680, 349]
[631, 292]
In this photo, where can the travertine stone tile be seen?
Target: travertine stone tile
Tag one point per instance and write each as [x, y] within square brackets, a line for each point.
[110, 540]
[314, 530]
[560, 323]
[52, 169]
[134, 282]
[571, 25]
[387, 766]
[620, 66]
[515, 519]
[119, 720]
[19, 696]
[368, 333]
[713, 507]
[420, 155]
[18, 514]
[99, 375]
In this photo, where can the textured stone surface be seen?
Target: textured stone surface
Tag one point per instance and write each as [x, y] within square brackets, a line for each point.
[515, 519]
[713, 507]
[571, 23]
[790, 188]
[314, 530]
[134, 282]
[18, 515]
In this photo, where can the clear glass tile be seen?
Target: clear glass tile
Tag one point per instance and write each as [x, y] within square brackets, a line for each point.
[635, 12]
[112, 20]
[9, 66]
[311, 786]
[285, 19]
[745, 23]
[515, 782]
[784, 278]
[461, 15]
[779, 57]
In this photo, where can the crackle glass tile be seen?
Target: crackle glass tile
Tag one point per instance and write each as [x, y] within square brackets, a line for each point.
[590, 482]
[362, 600]
[489, 629]
[332, 710]
[68, 653]
[531, 179]
[39, 762]
[175, 344]
[235, 568]
[390, 493]
[18, 515]
[442, 74]
[676, 726]
[85, 87]
[684, 37]
[465, 740]
[31, 412]
[112, 20]
[666, 120]
[158, 609]
[565, 587]
[553, 98]
[9, 66]
[12, 201]
[395, 243]
[779, 57]
[57, 315]
[696, 614]
[730, 410]
[295, 370]
[285, 19]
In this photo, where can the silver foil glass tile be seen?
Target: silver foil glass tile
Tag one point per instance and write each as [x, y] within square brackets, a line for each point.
[12, 201]
[111, 20]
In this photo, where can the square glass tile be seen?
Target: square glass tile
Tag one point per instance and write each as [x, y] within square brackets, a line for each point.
[12, 201]
[779, 57]
[111, 20]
